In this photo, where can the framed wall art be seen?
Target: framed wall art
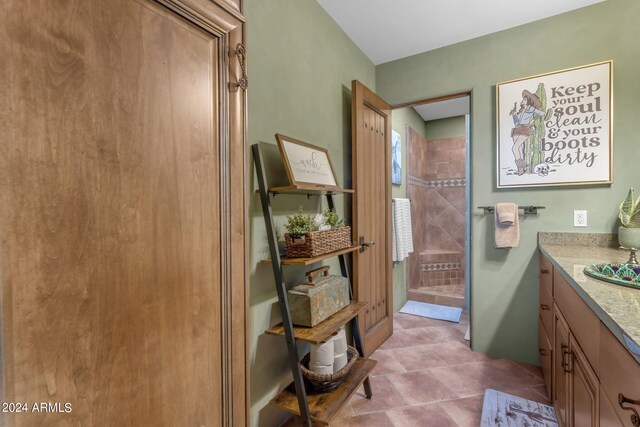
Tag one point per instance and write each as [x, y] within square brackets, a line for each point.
[306, 165]
[555, 128]
[396, 158]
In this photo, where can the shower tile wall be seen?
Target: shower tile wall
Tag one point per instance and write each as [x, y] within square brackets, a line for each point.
[436, 187]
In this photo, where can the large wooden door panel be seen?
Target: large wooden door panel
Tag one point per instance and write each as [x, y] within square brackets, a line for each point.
[112, 216]
[371, 158]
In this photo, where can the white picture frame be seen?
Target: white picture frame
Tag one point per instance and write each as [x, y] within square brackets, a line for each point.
[554, 129]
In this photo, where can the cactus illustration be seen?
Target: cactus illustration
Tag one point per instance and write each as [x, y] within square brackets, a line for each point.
[533, 150]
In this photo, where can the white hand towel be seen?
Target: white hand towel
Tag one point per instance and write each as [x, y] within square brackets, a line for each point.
[394, 240]
[507, 232]
[402, 235]
[408, 231]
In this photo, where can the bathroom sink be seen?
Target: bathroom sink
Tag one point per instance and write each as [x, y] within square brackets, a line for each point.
[618, 273]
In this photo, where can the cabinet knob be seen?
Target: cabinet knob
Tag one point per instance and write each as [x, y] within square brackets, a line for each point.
[545, 307]
[544, 271]
[635, 418]
[543, 352]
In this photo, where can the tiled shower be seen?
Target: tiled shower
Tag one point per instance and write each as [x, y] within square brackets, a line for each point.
[436, 187]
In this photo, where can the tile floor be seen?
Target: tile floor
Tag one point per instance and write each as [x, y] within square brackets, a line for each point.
[428, 377]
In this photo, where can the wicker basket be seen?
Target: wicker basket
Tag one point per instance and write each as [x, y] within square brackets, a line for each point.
[324, 383]
[317, 243]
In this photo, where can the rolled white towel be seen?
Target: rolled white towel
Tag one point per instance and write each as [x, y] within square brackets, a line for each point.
[321, 369]
[339, 362]
[339, 342]
[322, 354]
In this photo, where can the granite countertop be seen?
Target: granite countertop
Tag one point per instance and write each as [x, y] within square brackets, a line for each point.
[618, 307]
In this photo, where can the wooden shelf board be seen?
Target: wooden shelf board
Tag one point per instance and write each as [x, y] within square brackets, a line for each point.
[324, 329]
[307, 261]
[310, 189]
[323, 406]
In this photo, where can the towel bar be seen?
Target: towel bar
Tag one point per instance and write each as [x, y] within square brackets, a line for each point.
[528, 210]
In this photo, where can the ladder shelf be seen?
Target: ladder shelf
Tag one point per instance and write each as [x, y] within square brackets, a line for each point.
[311, 407]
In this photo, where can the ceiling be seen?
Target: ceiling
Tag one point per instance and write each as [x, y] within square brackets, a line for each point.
[386, 30]
[443, 109]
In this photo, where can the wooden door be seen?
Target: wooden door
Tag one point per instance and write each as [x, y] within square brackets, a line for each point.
[371, 158]
[561, 369]
[121, 160]
[583, 389]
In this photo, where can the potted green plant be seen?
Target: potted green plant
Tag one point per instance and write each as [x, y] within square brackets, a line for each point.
[629, 231]
[299, 224]
[332, 218]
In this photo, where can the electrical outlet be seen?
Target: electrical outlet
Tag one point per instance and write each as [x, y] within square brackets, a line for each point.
[579, 218]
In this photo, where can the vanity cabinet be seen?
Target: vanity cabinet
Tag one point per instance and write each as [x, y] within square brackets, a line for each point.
[586, 369]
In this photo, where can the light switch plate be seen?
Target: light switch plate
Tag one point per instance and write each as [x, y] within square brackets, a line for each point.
[579, 218]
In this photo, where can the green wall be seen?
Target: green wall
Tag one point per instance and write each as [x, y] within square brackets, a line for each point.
[301, 66]
[446, 128]
[504, 290]
[400, 118]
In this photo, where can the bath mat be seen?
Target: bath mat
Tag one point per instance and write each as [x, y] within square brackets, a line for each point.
[504, 410]
[434, 311]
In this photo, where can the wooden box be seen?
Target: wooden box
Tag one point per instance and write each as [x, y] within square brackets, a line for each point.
[310, 303]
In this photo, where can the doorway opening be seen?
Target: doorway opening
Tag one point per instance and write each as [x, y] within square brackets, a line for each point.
[436, 140]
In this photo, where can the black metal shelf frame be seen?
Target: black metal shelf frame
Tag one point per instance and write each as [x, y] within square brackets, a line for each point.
[278, 275]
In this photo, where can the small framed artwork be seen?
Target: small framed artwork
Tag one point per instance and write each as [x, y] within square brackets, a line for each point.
[306, 165]
[396, 158]
[555, 129]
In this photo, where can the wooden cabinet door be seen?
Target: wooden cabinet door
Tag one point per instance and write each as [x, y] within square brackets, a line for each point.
[583, 389]
[607, 415]
[561, 369]
[121, 213]
[546, 356]
[620, 375]
[585, 325]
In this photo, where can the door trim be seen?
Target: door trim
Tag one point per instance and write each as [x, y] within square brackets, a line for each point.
[226, 23]
[432, 100]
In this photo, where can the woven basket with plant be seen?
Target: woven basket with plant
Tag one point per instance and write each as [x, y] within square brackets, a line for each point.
[309, 236]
